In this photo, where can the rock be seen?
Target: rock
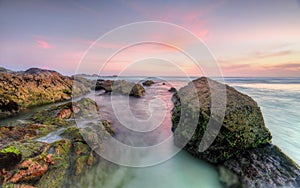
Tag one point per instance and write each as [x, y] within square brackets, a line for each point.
[172, 89]
[104, 84]
[242, 148]
[85, 108]
[261, 167]
[31, 148]
[20, 90]
[81, 162]
[29, 170]
[10, 185]
[64, 114]
[148, 83]
[9, 157]
[57, 173]
[2, 69]
[53, 165]
[120, 87]
[108, 127]
[15, 133]
[137, 90]
[242, 128]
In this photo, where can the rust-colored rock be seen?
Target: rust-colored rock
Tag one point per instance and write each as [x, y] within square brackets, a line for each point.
[29, 170]
[64, 114]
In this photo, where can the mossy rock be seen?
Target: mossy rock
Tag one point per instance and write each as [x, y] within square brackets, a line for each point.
[30, 148]
[72, 133]
[80, 164]
[81, 148]
[243, 126]
[57, 173]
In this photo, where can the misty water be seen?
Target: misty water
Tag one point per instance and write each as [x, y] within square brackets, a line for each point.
[280, 104]
[181, 170]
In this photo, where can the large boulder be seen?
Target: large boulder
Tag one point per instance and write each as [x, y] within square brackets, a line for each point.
[120, 87]
[242, 128]
[242, 148]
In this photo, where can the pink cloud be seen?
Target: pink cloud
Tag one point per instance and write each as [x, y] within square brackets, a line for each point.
[42, 42]
[281, 69]
[192, 18]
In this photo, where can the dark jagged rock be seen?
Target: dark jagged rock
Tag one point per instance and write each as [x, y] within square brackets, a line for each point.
[148, 83]
[261, 167]
[19, 90]
[242, 147]
[120, 87]
[172, 89]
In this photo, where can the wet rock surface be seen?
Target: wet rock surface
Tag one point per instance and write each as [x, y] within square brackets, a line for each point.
[59, 164]
[242, 148]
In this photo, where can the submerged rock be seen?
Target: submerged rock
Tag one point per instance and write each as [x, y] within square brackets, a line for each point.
[148, 83]
[172, 89]
[242, 147]
[120, 87]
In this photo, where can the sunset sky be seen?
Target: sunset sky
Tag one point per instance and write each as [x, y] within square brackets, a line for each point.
[247, 38]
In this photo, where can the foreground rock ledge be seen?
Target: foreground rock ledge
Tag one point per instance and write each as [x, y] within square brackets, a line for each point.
[242, 149]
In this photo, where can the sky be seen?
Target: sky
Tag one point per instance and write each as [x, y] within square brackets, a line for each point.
[242, 38]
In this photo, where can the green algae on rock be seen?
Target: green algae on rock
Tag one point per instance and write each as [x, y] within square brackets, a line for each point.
[243, 126]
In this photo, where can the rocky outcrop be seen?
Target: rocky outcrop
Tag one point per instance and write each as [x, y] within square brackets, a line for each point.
[19, 90]
[148, 83]
[242, 147]
[27, 162]
[120, 87]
